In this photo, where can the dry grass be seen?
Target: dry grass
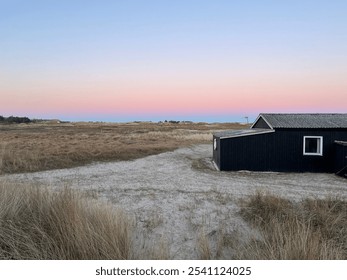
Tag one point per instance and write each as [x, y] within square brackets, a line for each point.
[40, 224]
[308, 230]
[204, 248]
[36, 223]
[35, 147]
[312, 229]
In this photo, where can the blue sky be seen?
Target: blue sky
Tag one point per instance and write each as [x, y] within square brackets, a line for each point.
[203, 60]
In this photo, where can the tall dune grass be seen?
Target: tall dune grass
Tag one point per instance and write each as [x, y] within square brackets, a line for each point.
[308, 230]
[36, 223]
[311, 229]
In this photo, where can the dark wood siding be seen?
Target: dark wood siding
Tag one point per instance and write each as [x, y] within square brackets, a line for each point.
[216, 153]
[246, 153]
[280, 151]
[290, 141]
[340, 158]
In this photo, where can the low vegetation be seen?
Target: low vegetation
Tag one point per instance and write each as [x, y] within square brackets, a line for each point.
[12, 119]
[40, 224]
[52, 145]
[37, 223]
[312, 229]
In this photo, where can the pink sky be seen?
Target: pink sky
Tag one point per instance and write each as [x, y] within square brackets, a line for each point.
[177, 100]
[261, 93]
[222, 60]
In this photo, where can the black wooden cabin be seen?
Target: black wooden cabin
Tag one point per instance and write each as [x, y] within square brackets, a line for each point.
[285, 143]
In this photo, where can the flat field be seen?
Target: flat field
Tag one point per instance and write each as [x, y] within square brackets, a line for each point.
[44, 146]
[180, 207]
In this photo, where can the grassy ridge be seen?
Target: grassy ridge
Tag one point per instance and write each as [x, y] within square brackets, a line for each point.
[310, 229]
[40, 224]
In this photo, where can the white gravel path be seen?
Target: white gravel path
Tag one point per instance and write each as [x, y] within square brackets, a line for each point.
[177, 197]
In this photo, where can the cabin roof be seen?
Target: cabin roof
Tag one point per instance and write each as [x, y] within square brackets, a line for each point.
[303, 120]
[239, 133]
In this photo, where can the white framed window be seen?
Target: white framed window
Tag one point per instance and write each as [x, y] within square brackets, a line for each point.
[214, 144]
[313, 145]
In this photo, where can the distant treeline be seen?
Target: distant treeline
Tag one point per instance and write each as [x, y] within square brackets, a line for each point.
[12, 119]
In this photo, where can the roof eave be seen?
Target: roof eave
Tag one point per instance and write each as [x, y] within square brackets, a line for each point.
[248, 134]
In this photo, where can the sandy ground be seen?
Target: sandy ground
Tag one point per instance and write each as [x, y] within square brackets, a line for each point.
[177, 199]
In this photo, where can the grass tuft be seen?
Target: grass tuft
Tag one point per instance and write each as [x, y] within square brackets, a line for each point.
[38, 224]
[308, 230]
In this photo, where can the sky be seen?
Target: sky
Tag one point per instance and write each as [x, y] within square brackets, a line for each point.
[213, 61]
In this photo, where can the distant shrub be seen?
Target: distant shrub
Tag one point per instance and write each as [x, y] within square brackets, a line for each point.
[13, 119]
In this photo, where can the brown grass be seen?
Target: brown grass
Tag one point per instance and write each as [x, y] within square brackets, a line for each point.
[36, 223]
[40, 224]
[35, 147]
[204, 249]
[308, 230]
[312, 229]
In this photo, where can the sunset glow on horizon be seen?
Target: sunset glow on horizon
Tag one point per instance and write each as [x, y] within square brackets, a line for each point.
[185, 60]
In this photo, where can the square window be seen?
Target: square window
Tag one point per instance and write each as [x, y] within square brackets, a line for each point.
[313, 145]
